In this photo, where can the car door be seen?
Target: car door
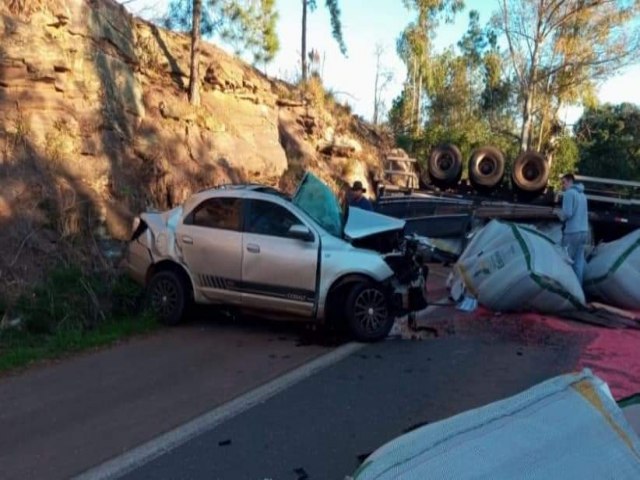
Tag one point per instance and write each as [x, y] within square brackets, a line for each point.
[279, 272]
[210, 238]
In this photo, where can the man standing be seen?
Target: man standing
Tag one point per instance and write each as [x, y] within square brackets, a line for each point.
[575, 216]
[357, 198]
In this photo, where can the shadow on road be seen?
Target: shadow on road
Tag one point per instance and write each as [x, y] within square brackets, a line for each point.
[212, 319]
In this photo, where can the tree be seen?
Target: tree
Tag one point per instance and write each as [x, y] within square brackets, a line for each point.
[251, 26]
[336, 29]
[608, 139]
[414, 47]
[189, 15]
[194, 73]
[248, 24]
[559, 49]
[382, 79]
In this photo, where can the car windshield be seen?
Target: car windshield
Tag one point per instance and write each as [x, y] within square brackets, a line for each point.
[317, 200]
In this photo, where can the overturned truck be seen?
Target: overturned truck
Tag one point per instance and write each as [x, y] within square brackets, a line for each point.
[446, 206]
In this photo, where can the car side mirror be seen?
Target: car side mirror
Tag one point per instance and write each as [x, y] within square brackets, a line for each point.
[301, 232]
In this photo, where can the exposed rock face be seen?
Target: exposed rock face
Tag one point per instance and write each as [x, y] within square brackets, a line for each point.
[95, 126]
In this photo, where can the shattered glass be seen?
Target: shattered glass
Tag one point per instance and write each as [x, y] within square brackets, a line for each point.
[318, 201]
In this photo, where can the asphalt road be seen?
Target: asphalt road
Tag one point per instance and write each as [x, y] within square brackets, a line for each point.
[59, 419]
[322, 427]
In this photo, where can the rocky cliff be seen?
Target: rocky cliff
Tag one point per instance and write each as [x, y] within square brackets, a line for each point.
[95, 126]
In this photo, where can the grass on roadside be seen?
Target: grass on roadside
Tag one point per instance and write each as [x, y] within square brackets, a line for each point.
[69, 312]
[19, 348]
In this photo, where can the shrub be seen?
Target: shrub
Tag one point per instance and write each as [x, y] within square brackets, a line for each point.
[126, 296]
[67, 300]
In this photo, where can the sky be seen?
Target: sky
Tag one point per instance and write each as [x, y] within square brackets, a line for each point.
[367, 23]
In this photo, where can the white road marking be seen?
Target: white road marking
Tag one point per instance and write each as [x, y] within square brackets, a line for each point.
[138, 456]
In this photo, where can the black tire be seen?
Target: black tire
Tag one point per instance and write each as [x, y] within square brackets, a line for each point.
[445, 166]
[166, 297]
[486, 168]
[530, 173]
[368, 312]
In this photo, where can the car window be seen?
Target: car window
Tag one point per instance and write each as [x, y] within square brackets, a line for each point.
[223, 213]
[267, 218]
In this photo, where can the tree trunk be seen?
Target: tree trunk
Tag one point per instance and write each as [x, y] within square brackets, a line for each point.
[376, 100]
[194, 77]
[527, 121]
[303, 50]
[419, 106]
[413, 98]
[541, 132]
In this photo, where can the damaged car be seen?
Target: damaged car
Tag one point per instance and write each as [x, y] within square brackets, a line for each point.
[303, 257]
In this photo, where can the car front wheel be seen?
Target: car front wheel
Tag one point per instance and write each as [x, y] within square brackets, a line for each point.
[368, 314]
[166, 297]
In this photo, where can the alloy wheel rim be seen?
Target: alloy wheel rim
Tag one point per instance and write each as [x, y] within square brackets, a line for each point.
[370, 310]
[164, 297]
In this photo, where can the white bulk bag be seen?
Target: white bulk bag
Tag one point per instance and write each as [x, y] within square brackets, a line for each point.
[566, 427]
[509, 267]
[613, 272]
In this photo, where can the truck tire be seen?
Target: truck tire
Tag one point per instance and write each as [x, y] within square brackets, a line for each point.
[368, 312]
[445, 165]
[166, 297]
[530, 173]
[486, 168]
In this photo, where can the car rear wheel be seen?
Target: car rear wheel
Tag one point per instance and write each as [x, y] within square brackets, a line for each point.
[368, 314]
[166, 297]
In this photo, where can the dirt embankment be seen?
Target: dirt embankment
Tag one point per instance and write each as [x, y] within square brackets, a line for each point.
[95, 126]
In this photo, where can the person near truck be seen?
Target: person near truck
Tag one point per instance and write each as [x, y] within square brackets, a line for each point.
[575, 216]
[357, 198]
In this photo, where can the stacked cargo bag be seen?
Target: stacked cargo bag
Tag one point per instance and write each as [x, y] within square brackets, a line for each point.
[568, 427]
[612, 273]
[509, 267]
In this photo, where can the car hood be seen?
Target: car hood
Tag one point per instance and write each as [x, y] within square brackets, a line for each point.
[362, 224]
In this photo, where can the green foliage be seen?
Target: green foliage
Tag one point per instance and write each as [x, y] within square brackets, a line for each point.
[336, 24]
[559, 50]
[251, 26]
[20, 347]
[609, 141]
[180, 16]
[126, 296]
[72, 300]
[467, 100]
[66, 300]
[556, 53]
[336, 30]
[71, 311]
[247, 25]
[565, 159]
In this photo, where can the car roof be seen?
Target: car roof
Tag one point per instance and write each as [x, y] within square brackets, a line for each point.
[245, 190]
[249, 187]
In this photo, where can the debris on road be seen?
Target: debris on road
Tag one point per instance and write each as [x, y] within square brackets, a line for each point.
[612, 273]
[566, 427]
[445, 250]
[405, 329]
[301, 473]
[509, 267]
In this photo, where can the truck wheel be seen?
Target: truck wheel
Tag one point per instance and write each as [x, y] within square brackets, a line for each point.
[486, 168]
[445, 165]
[166, 297]
[530, 172]
[367, 312]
